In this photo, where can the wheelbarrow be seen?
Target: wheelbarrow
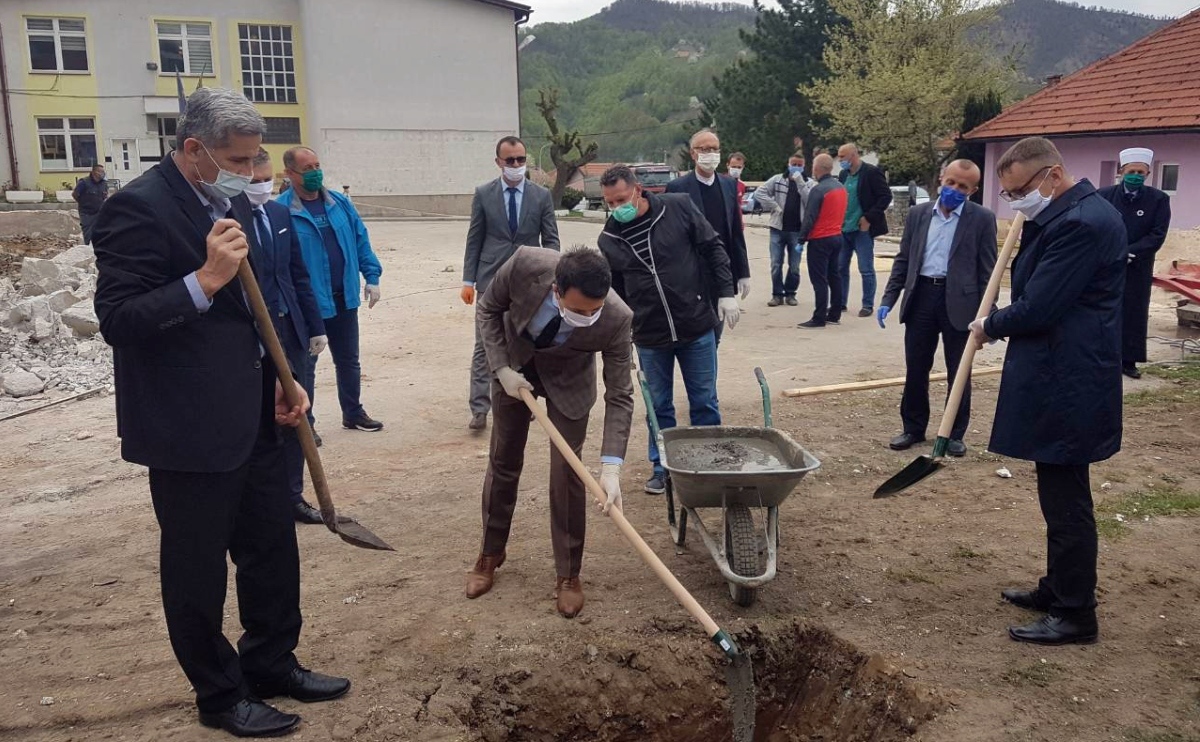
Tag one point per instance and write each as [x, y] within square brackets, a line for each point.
[736, 469]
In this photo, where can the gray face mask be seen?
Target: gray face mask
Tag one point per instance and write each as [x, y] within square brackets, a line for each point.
[227, 184]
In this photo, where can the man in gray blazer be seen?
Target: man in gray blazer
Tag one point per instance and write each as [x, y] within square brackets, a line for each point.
[946, 258]
[543, 320]
[506, 213]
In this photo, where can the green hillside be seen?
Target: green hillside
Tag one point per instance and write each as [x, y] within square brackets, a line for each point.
[635, 73]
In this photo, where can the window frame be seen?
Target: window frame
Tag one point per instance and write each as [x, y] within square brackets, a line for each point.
[66, 131]
[246, 60]
[275, 137]
[184, 40]
[1162, 166]
[57, 34]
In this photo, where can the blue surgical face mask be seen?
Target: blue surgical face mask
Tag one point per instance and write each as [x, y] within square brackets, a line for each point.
[951, 198]
[227, 184]
[795, 170]
[843, 164]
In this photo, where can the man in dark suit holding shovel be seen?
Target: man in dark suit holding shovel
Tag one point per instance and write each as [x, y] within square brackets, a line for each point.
[1060, 394]
[198, 403]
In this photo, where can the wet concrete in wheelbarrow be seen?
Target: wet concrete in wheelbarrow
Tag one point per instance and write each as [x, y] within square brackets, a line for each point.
[811, 685]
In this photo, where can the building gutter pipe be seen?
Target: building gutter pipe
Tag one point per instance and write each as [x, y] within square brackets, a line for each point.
[8, 122]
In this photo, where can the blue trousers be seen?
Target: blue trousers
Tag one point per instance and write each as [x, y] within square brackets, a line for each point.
[698, 365]
[861, 244]
[785, 244]
[342, 331]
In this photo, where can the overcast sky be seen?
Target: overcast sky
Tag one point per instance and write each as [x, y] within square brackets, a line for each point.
[572, 10]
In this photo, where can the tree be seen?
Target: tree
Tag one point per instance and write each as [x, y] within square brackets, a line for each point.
[977, 110]
[900, 75]
[759, 106]
[561, 145]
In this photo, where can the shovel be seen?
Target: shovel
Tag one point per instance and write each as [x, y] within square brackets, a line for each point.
[740, 673]
[351, 531]
[924, 466]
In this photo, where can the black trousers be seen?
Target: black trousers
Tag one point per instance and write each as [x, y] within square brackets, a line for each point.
[927, 321]
[1069, 588]
[825, 273]
[246, 514]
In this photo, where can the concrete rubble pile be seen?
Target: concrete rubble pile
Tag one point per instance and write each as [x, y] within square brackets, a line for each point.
[49, 334]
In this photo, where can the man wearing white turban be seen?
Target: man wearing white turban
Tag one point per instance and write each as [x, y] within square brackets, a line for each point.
[1147, 215]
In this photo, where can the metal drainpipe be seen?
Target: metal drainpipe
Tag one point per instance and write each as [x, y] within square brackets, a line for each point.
[520, 17]
[8, 125]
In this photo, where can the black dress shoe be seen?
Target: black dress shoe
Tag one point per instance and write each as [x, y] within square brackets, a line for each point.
[1054, 631]
[306, 513]
[304, 685]
[1026, 599]
[1131, 370]
[811, 324]
[956, 448]
[864, 312]
[316, 438]
[251, 717]
[905, 441]
[478, 421]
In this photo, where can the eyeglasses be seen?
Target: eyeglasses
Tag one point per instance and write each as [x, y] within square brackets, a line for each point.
[1025, 189]
[707, 150]
[514, 161]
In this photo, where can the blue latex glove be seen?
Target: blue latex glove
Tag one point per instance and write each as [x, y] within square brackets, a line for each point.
[882, 314]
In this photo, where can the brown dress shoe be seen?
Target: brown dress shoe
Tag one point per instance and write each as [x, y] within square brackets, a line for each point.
[568, 594]
[479, 579]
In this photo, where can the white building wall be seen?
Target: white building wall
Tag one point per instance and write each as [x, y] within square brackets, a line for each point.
[409, 98]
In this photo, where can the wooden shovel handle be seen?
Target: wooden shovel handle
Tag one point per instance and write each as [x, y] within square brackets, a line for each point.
[644, 551]
[291, 391]
[963, 377]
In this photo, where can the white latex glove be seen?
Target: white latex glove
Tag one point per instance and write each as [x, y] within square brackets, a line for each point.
[316, 344]
[743, 287]
[728, 311]
[371, 294]
[512, 381]
[610, 481]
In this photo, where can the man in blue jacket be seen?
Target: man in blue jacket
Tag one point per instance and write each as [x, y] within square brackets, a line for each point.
[288, 294]
[1060, 394]
[336, 249]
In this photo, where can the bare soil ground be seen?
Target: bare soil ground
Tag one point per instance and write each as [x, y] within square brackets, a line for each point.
[884, 622]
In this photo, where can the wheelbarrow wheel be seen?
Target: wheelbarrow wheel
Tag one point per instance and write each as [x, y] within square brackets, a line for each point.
[741, 550]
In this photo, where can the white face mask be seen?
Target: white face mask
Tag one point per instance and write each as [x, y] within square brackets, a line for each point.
[260, 193]
[575, 319]
[514, 174]
[1032, 203]
[227, 184]
[735, 172]
[708, 161]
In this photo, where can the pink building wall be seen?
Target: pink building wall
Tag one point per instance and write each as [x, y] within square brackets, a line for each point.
[1086, 156]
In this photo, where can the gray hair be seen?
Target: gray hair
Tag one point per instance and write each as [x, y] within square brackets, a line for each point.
[705, 130]
[214, 114]
[262, 158]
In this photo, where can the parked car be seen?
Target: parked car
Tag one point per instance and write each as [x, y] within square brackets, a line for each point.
[749, 205]
[901, 192]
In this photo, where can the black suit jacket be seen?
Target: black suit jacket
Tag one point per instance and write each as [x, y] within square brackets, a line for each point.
[739, 262]
[291, 284]
[192, 388]
[874, 196]
[972, 257]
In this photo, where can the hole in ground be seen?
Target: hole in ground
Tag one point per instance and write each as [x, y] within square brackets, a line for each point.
[811, 685]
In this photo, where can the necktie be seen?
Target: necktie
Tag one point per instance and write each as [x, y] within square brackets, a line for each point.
[263, 226]
[512, 210]
[546, 337]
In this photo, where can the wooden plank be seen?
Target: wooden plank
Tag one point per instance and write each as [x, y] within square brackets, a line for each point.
[858, 386]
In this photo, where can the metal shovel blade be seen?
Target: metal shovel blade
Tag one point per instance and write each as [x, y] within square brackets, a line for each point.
[743, 697]
[921, 467]
[356, 534]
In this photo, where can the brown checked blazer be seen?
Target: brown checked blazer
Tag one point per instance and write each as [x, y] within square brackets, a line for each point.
[567, 371]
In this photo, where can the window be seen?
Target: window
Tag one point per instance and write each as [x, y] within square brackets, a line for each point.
[166, 133]
[268, 67]
[1168, 178]
[185, 48]
[67, 144]
[282, 131]
[57, 44]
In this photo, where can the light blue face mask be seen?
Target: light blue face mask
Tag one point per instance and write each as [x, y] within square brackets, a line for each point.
[843, 164]
[226, 184]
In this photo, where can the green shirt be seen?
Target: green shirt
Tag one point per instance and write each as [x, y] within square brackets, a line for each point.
[854, 210]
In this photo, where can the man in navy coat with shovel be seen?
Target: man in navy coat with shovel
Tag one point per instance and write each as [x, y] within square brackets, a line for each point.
[1060, 394]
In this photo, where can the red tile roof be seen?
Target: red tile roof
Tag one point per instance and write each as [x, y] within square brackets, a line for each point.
[1151, 85]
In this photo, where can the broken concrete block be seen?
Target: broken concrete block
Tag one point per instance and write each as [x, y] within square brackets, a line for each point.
[41, 276]
[61, 300]
[82, 320]
[22, 384]
[52, 223]
[44, 329]
[24, 312]
[80, 256]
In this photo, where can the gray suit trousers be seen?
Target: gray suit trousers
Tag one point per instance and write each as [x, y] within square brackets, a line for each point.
[480, 398]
